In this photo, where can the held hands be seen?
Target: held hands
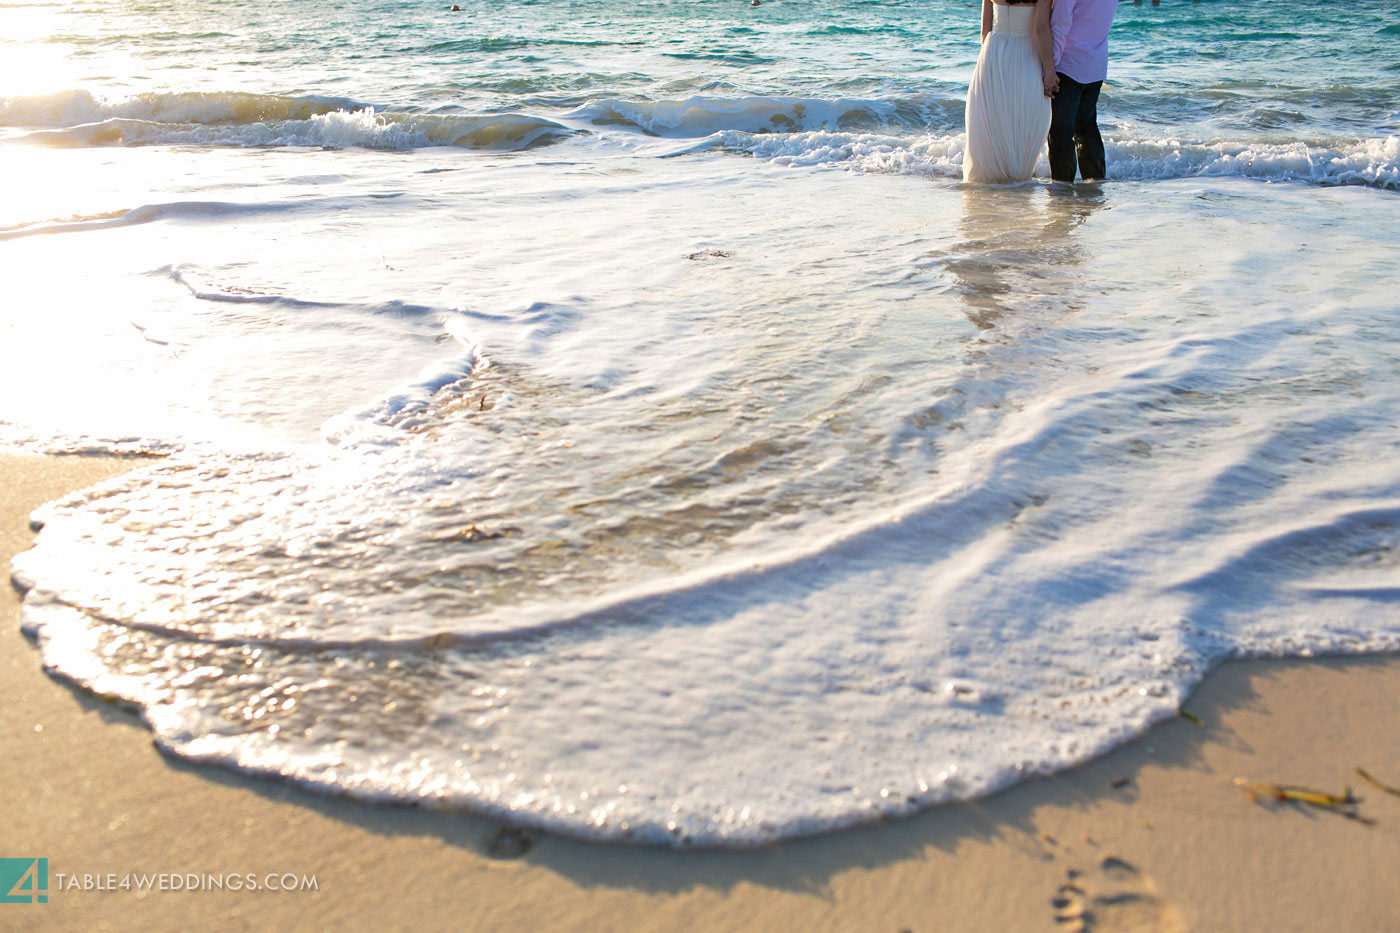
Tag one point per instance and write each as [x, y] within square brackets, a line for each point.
[1051, 83]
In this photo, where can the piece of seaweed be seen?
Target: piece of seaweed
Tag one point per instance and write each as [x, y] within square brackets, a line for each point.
[1343, 804]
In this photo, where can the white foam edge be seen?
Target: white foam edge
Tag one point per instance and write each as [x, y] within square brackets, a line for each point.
[368, 423]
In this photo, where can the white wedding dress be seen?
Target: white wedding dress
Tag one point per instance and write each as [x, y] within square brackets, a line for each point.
[1008, 113]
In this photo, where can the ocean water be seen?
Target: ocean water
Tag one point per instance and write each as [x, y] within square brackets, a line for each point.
[620, 419]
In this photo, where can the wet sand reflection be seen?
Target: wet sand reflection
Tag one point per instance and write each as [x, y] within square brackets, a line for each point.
[1020, 250]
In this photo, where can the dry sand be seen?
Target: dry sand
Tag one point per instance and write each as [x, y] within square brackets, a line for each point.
[1176, 847]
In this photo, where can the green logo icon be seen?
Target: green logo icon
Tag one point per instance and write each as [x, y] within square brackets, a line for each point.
[24, 881]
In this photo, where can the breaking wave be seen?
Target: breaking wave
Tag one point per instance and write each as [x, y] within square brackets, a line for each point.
[913, 135]
[1374, 162]
[77, 119]
[702, 116]
[72, 108]
[337, 130]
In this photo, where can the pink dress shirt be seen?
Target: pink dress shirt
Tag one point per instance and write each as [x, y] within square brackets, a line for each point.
[1080, 32]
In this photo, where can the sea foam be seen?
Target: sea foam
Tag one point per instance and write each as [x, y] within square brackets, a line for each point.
[1374, 162]
[695, 571]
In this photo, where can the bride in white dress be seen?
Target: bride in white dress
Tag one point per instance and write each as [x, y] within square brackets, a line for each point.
[1008, 101]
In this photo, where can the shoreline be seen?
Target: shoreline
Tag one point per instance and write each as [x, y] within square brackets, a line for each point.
[1176, 847]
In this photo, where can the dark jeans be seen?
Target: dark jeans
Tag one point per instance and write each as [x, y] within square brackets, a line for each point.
[1074, 131]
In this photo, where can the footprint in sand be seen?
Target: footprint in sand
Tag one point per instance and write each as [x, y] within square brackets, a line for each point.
[1112, 898]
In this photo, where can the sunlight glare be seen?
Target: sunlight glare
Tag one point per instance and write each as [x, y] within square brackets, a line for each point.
[32, 62]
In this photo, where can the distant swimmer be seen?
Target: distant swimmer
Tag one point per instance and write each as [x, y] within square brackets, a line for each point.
[455, 9]
[755, 2]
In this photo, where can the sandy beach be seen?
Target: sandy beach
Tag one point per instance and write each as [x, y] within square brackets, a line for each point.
[1152, 837]
[626, 468]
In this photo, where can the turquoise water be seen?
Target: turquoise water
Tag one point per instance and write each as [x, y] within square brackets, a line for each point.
[1274, 89]
[621, 419]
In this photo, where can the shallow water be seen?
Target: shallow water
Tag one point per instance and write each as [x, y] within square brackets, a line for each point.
[649, 438]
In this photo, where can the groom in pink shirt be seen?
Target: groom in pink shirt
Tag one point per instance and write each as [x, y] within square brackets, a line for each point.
[1079, 32]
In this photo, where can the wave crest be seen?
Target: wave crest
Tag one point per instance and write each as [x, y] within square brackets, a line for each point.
[73, 108]
[338, 129]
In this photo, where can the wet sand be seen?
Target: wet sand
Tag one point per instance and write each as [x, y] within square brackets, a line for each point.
[1151, 837]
